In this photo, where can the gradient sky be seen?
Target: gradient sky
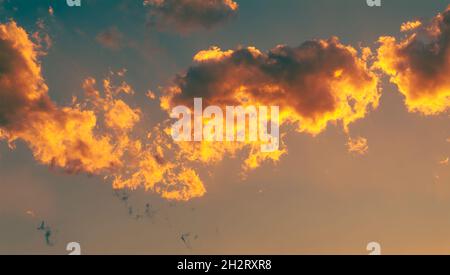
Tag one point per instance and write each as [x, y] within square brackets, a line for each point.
[318, 199]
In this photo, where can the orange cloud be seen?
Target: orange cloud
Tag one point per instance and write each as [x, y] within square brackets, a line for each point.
[186, 15]
[419, 64]
[317, 83]
[158, 168]
[410, 25]
[213, 53]
[61, 137]
[358, 145]
[93, 136]
[147, 163]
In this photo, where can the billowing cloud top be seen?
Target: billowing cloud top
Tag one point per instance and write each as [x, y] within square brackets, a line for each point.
[316, 83]
[186, 15]
[419, 64]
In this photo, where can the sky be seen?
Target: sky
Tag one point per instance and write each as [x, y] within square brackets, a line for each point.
[365, 140]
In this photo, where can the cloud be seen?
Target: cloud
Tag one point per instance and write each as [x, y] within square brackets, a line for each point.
[94, 136]
[187, 15]
[61, 137]
[358, 145]
[419, 64]
[410, 25]
[318, 83]
[156, 166]
[22, 87]
[112, 39]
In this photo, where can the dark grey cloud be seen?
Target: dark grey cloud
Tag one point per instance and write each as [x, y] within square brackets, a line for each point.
[187, 15]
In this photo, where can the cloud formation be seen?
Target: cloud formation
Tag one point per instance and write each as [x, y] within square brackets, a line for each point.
[187, 15]
[419, 64]
[93, 136]
[317, 83]
[61, 137]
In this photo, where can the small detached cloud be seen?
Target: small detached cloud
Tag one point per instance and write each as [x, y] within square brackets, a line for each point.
[189, 15]
[358, 146]
[111, 38]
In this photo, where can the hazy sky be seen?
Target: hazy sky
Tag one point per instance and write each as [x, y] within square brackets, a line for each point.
[319, 198]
